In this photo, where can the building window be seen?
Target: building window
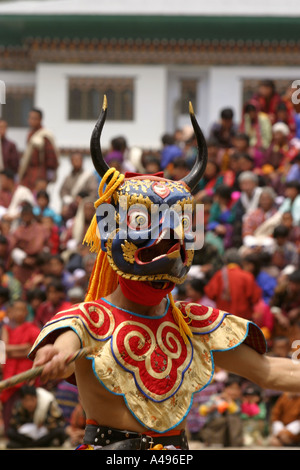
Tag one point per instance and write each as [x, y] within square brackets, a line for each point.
[19, 101]
[188, 93]
[86, 97]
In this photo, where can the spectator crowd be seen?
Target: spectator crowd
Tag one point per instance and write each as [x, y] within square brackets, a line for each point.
[248, 265]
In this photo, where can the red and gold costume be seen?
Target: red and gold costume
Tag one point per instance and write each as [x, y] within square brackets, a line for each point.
[146, 360]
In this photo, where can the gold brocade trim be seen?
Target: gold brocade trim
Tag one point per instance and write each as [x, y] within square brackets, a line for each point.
[127, 200]
[144, 184]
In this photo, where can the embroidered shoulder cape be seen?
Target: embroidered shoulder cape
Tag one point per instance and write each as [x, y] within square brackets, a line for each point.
[146, 360]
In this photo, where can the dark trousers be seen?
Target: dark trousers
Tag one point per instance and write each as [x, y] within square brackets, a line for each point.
[19, 440]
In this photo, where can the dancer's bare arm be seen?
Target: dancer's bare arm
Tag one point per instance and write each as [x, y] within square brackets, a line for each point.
[54, 356]
[268, 372]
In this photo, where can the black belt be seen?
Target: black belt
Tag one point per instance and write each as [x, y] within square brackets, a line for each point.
[115, 439]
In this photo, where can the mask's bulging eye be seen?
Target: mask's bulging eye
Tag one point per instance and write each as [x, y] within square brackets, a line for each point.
[138, 219]
[186, 221]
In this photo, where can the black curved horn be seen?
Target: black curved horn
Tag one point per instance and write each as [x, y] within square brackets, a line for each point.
[194, 176]
[99, 163]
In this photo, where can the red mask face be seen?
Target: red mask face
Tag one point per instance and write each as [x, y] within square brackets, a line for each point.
[143, 292]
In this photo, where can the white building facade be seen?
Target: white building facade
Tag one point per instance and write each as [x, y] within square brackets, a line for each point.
[151, 61]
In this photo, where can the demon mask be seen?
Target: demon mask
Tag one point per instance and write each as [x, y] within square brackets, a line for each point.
[146, 229]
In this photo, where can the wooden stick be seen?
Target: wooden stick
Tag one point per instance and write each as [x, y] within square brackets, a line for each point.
[36, 371]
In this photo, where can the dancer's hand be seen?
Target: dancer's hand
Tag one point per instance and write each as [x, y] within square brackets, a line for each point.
[54, 362]
[54, 357]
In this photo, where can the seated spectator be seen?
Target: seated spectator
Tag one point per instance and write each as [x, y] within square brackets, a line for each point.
[285, 304]
[222, 215]
[58, 271]
[67, 398]
[263, 317]
[54, 234]
[215, 154]
[226, 285]
[282, 245]
[77, 226]
[195, 293]
[253, 219]
[179, 169]
[253, 263]
[241, 146]
[294, 230]
[208, 259]
[280, 347]
[223, 426]
[55, 302]
[18, 335]
[253, 416]
[4, 250]
[78, 179]
[285, 421]
[9, 282]
[38, 277]
[231, 173]
[131, 157]
[225, 129]
[36, 421]
[42, 209]
[169, 152]
[291, 202]
[281, 152]
[211, 179]
[114, 159]
[34, 297]
[4, 305]
[267, 98]
[294, 171]
[13, 195]
[285, 113]
[76, 295]
[257, 125]
[189, 146]
[76, 428]
[26, 243]
[10, 155]
[152, 165]
[246, 162]
[250, 192]
[248, 200]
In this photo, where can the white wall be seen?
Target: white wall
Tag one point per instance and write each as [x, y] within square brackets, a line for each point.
[170, 7]
[149, 104]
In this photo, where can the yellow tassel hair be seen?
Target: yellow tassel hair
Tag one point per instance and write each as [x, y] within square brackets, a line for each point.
[104, 280]
[183, 326]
